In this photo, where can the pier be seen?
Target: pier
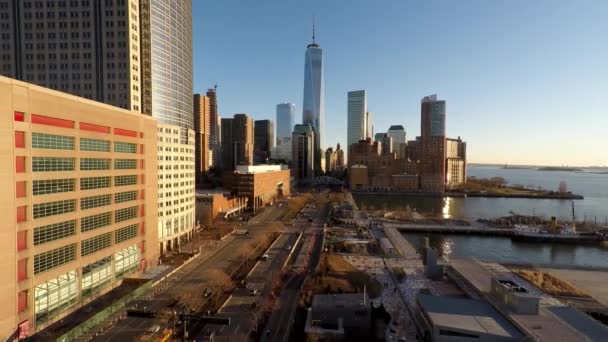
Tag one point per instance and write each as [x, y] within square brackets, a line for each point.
[490, 231]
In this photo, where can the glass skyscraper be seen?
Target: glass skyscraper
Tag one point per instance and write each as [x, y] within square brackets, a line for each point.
[313, 110]
[171, 55]
[357, 117]
[285, 120]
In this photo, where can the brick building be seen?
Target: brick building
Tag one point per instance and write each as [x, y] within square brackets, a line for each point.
[261, 184]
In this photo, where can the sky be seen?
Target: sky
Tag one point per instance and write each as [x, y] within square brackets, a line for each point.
[525, 82]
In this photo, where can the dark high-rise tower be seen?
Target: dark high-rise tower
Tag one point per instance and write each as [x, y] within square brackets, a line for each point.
[433, 144]
[237, 141]
[263, 139]
[313, 109]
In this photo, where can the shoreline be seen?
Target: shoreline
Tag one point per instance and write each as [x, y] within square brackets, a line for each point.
[470, 194]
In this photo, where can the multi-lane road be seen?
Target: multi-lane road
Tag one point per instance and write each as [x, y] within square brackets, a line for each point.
[278, 327]
[198, 276]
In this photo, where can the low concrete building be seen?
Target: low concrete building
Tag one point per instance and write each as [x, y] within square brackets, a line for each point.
[357, 177]
[457, 319]
[338, 316]
[261, 184]
[211, 204]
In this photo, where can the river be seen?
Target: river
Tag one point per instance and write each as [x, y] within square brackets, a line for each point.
[503, 249]
[593, 186]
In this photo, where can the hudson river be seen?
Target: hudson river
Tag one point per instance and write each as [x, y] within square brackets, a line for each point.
[595, 205]
[593, 186]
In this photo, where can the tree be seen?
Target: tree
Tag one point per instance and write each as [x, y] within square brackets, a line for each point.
[563, 187]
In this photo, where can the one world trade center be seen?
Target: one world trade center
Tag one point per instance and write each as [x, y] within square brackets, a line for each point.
[313, 108]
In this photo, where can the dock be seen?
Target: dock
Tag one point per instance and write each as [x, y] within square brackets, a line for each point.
[491, 231]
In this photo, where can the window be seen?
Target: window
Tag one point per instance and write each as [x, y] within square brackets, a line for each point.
[95, 221]
[124, 147]
[125, 180]
[87, 164]
[126, 260]
[125, 196]
[48, 164]
[94, 183]
[55, 295]
[95, 201]
[95, 244]
[54, 258]
[95, 145]
[53, 142]
[125, 164]
[54, 208]
[54, 232]
[53, 186]
[96, 276]
[125, 233]
[125, 214]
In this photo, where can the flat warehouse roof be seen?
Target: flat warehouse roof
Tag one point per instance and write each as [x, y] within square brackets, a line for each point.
[467, 315]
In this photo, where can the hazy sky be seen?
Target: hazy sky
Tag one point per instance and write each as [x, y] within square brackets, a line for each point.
[525, 81]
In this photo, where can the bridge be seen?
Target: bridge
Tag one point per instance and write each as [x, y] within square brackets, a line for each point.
[326, 180]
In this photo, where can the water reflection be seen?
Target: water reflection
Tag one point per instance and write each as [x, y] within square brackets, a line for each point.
[503, 249]
[446, 207]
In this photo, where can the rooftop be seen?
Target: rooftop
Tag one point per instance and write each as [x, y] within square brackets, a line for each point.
[259, 168]
[467, 315]
[396, 128]
[346, 300]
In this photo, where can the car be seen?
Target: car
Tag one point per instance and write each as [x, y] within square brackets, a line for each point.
[153, 329]
[265, 257]
[253, 292]
[288, 247]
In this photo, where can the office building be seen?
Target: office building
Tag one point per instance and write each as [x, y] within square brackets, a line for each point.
[80, 202]
[260, 184]
[176, 184]
[369, 126]
[398, 140]
[357, 118]
[339, 157]
[456, 162]
[132, 54]
[216, 204]
[282, 151]
[313, 109]
[303, 151]
[202, 127]
[215, 130]
[386, 143]
[339, 317]
[263, 136]
[237, 141]
[378, 137]
[285, 120]
[330, 160]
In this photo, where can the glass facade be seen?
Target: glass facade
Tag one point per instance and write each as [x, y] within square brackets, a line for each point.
[94, 145]
[313, 108]
[357, 109]
[171, 58]
[52, 142]
[285, 120]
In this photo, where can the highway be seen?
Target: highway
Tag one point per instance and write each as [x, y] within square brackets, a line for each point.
[242, 306]
[198, 276]
[278, 327]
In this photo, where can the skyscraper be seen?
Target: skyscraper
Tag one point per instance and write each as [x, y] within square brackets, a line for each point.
[135, 54]
[202, 127]
[285, 120]
[433, 144]
[237, 141]
[397, 134]
[215, 132]
[303, 152]
[313, 109]
[432, 117]
[357, 117]
[263, 136]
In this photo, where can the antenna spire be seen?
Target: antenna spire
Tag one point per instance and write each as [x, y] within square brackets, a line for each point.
[313, 28]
